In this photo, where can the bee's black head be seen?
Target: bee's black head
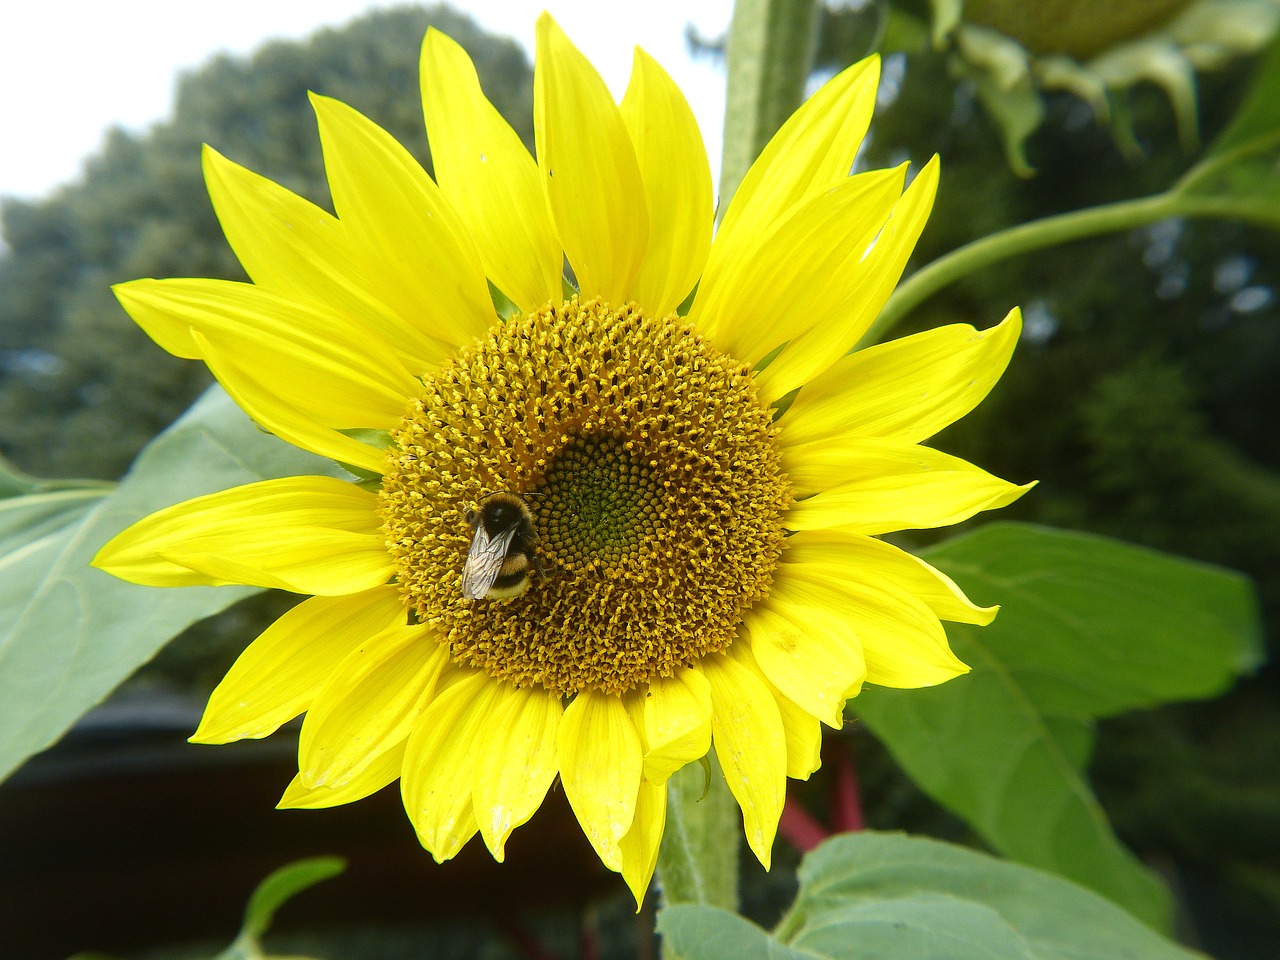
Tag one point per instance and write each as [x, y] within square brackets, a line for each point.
[499, 516]
[500, 512]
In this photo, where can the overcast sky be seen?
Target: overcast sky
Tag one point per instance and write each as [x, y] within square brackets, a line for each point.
[71, 70]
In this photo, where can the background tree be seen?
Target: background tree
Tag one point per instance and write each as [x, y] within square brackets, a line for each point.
[81, 386]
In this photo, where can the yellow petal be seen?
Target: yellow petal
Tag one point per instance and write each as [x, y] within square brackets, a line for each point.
[813, 151]
[589, 170]
[340, 369]
[885, 485]
[316, 534]
[804, 734]
[750, 744]
[808, 652]
[489, 177]
[369, 704]
[843, 317]
[515, 762]
[640, 846]
[439, 764]
[292, 247]
[285, 419]
[677, 186]
[882, 565]
[804, 738]
[600, 766]
[278, 675]
[676, 718]
[906, 389]
[402, 230]
[298, 370]
[798, 273]
[902, 641]
[384, 769]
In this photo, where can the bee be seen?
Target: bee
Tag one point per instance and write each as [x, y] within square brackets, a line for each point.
[501, 554]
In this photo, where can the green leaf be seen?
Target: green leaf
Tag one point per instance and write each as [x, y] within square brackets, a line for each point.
[69, 633]
[1035, 914]
[946, 17]
[710, 933]
[1088, 628]
[283, 885]
[698, 856]
[273, 893]
[1239, 176]
[1258, 119]
[869, 896]
[15, 483]
[1000, 72]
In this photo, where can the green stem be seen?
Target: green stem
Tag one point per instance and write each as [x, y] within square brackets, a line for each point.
[1023, 238]
[769, 53]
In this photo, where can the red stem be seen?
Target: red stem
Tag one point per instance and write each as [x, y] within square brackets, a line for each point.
[798, 826]
[526, 944]
[845, 798]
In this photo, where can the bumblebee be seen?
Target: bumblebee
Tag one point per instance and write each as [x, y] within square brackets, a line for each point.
[501, 554]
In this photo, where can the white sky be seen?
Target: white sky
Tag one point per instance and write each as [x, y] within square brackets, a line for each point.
[71, 70]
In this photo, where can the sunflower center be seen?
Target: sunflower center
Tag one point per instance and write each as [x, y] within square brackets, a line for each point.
[601, 504]
[650, 472]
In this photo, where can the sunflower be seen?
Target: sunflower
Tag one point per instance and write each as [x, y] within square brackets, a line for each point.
[707, 570]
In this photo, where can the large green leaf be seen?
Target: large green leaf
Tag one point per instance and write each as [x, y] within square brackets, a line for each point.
[69, 633]
[695, 932]
[1088, 628]
[870, 896]
[15, 483]
[1239, 176]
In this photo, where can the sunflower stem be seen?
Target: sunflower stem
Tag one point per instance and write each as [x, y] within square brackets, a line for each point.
[698, 858]
[1023, 238]
[769, 54]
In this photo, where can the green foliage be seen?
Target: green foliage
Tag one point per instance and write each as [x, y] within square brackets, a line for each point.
[869, 895]
[997, 68]
[1237, 175]
[15, 483]
[1088, 628]
[1142, 397]
[273, 893]
[698, 862]
[69, 633]
[82, 389]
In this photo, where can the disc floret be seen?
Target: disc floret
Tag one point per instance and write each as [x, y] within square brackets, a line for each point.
[652, 474]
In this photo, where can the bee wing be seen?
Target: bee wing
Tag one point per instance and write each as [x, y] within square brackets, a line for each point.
[484, 561]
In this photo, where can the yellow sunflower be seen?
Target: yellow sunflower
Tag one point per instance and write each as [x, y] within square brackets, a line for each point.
[706, 572]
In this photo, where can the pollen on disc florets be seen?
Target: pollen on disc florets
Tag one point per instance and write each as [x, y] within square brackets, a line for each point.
[650, 469]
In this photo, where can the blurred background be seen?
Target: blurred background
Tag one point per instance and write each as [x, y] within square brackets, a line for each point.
[1144, 398]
